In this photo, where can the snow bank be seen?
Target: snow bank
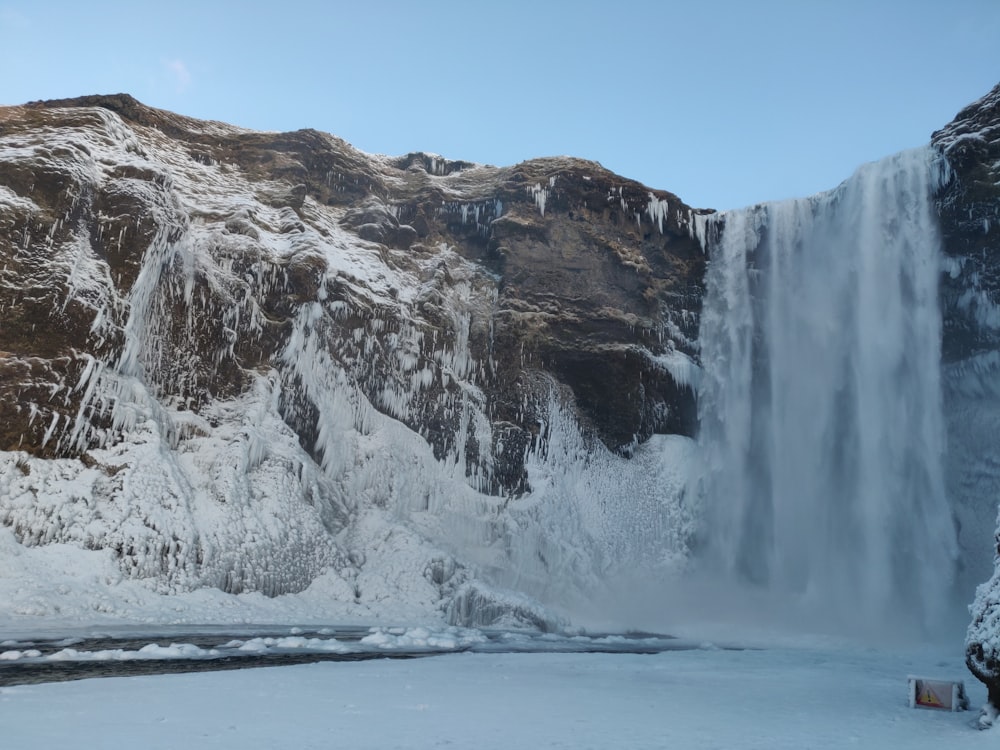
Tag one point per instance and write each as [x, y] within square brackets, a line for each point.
[769, 699]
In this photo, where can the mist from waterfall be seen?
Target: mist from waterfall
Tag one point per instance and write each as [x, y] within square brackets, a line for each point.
[820, 405]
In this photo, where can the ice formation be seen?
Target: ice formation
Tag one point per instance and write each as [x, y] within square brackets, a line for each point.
[283, 398]
[656, 210]
[540, 195]
[311, 465]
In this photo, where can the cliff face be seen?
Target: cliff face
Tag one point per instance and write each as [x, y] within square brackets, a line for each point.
[969, 208]
[211, 335]
[267, 362]
[583, 274]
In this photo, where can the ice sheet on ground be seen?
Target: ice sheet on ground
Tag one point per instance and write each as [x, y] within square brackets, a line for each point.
[376, 640]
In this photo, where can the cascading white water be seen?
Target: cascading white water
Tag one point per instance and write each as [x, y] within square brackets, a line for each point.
[820, 407]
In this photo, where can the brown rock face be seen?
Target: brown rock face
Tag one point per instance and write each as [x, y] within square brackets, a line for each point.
[566, 275]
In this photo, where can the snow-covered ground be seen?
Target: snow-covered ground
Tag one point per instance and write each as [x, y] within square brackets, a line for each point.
[820, 695]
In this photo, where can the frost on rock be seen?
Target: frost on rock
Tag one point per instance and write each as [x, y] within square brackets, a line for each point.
[968, 205]
[295, 389]
[477, 606]
[982, 641]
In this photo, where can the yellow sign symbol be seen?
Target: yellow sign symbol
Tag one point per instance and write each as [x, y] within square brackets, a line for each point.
[928, 697]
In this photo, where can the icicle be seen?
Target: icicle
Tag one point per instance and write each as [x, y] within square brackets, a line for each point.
[656, 209]
[540, 195]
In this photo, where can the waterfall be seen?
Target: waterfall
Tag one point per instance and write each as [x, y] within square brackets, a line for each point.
[820, 406]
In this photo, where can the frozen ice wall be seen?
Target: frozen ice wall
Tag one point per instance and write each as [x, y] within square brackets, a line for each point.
[820, 404]
[271, 404]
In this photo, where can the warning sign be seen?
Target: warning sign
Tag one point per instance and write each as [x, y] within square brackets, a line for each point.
[944, 694]
[928, 697]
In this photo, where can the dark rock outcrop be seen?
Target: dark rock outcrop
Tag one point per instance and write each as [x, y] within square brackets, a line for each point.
[969, 208]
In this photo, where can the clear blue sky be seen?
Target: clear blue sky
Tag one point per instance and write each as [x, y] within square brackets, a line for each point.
[725, 103]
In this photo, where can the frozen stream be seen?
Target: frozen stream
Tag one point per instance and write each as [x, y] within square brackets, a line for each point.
[25, 660]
